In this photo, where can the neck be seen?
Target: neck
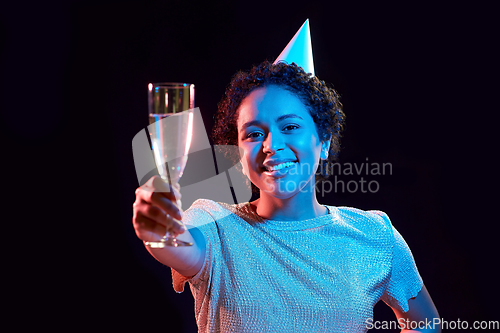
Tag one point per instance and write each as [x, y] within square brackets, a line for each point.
[301, 206]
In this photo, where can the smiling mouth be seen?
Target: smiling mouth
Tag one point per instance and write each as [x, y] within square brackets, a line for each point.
[280, 166]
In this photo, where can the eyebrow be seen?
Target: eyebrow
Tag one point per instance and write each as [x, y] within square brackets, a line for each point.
[280, 118]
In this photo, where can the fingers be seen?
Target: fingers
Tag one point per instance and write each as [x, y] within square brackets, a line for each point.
[157, 210]
[148, 229]
[169, 202]
[166, 205]
[158, 185]
[175, 227]
[150, 221]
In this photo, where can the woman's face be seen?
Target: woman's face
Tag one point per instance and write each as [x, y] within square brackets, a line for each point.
[280, 143]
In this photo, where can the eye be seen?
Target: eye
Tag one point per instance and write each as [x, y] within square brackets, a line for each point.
[290, 127]
[253, 135]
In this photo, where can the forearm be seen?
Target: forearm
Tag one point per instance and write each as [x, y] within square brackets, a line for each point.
[429, 325]
[422, 315]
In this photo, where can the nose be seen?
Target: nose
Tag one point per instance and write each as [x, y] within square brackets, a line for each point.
[273, 143]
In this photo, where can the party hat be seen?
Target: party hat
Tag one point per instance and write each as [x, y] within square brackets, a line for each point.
[299, 49]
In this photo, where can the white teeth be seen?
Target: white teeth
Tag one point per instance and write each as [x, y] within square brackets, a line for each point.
[280, 166]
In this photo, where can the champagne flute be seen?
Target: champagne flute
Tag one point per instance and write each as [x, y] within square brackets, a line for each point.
[170, 130]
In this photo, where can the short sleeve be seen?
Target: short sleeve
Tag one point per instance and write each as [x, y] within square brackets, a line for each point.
[405, 281]
[198, 220]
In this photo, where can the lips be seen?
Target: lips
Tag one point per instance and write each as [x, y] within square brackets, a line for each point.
[273, 165]
[278, 168]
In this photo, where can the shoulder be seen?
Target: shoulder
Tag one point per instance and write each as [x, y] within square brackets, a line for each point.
[207, 210]
[205, 204]
[373, 222]
[366, 221]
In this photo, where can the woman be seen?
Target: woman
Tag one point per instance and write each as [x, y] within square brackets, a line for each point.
[284, 262]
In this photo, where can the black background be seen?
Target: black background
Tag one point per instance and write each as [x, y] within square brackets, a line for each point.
[414, 81]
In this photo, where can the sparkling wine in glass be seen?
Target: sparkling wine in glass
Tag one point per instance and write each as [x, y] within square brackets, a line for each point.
[170, 130]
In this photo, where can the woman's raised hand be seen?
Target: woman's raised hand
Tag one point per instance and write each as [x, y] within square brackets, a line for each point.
[157, 210]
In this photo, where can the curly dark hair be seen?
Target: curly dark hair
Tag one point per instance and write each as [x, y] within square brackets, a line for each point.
[321, 101]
